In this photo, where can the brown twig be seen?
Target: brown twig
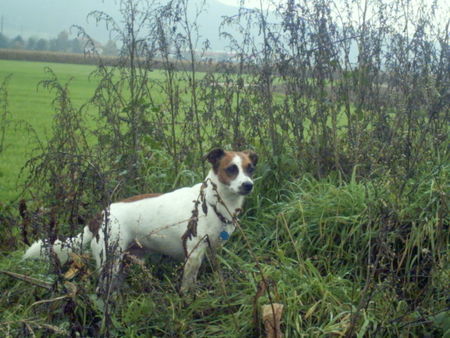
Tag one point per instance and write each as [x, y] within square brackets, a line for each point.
[28, 279]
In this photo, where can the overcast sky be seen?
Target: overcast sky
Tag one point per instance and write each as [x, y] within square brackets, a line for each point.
[442, 15]
[46, 18]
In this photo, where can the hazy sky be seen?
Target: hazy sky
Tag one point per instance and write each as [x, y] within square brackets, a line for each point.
[46, 18]
[249, 3]
[442, 14]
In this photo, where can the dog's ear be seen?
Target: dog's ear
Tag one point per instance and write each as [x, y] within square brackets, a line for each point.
[215, 155]
[252, 156]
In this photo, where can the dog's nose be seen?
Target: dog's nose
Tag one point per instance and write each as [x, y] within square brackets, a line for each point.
[247, 186]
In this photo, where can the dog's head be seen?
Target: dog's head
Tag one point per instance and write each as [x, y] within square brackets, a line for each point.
[234, 169]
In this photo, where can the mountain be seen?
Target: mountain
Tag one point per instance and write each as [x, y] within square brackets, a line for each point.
[46, 18]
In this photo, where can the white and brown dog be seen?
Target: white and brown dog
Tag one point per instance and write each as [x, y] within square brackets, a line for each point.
[181, 224]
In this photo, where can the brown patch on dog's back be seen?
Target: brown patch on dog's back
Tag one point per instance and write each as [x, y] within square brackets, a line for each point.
[139, 197]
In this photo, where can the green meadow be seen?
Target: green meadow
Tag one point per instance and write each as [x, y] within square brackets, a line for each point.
[31, 111]
[348, 256]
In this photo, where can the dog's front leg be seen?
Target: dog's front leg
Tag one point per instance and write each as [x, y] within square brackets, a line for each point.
[191, 266]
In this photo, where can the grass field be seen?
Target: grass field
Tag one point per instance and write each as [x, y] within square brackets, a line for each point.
[312, 247]
[30, 107]
[31, 104]
[345, 257]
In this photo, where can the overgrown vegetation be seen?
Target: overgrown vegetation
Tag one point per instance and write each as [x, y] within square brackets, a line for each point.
[349, 220]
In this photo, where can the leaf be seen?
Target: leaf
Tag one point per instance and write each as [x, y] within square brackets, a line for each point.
[311, 310]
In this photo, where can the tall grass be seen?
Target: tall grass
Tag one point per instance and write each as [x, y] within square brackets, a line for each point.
[348, 226]
[330, 257]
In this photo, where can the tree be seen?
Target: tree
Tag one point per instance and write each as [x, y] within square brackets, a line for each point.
[76, 46]
[4, 41]
[41, 44]
[110, 48]
[31, 43]
[52, 45]
[17, 43]
[62, 43]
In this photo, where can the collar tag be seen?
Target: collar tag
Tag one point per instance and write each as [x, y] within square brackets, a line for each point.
[224, 235]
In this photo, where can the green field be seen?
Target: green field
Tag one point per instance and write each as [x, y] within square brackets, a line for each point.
[30, 108]
[356, 256]
[30, 104]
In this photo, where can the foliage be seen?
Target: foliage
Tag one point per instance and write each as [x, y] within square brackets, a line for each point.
[62, 44]
[348, 226]
[335, 263]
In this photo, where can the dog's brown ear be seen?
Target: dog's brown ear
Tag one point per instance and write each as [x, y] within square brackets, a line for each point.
[215, 155]
[252, 156]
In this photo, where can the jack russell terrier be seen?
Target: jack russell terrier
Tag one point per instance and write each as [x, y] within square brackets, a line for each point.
[181, 224]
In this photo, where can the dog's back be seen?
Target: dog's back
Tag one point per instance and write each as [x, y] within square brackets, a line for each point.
[157, 223]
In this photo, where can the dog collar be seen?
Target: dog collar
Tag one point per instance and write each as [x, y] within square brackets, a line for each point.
[224, 235]
[222, 218]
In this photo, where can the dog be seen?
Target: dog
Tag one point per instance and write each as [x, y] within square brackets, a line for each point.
[181, 224]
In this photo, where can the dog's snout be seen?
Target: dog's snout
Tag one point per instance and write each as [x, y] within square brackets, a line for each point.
[247, 187]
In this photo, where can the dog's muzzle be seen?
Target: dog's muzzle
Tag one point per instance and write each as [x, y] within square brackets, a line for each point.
[246, 188]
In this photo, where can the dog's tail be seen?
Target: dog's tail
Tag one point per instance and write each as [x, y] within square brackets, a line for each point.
[62, 249]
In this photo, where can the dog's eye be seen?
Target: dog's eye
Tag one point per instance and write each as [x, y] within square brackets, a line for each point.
[232, 170]
[250, 169]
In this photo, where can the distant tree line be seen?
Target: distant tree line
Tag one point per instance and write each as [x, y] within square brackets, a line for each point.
[62, 43]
